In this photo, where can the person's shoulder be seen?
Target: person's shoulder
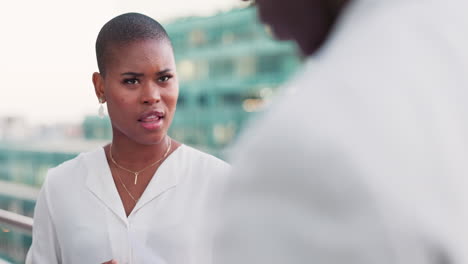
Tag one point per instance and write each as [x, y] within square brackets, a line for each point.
[202, 169]
[195, 156]
[71, 168]
[202, 156]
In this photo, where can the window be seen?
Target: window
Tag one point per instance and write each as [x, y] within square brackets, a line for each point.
[221, 68]
[186, 69]
[246, 66]
[197, 37]
[270, 64]
[231, 99]
[203, 100]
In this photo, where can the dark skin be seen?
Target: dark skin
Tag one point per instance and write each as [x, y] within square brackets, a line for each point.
[308, 22]
[140, 77]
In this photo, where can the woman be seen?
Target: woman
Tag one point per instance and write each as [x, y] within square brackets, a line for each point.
[136, 200]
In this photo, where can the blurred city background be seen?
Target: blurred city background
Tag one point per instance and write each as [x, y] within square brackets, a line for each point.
[229, 69]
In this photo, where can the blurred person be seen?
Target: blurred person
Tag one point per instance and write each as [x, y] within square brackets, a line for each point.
[134, 200]
[363, 157]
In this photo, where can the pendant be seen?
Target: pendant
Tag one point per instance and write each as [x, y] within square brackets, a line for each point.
[136, 178]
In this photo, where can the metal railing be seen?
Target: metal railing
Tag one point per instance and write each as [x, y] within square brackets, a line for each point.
[17, 221]
[15, 237]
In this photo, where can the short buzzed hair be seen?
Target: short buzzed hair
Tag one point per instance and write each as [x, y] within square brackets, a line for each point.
[124, 29]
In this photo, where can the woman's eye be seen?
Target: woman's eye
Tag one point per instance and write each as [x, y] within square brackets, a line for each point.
[164, 78]
[131, 81]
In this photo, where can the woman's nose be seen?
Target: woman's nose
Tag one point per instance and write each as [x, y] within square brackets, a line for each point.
[151, 94]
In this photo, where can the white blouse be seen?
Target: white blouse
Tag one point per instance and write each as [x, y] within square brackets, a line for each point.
[79, 216]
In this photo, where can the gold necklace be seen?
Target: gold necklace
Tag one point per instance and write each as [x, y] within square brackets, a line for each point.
[136, 173]
[126, 189]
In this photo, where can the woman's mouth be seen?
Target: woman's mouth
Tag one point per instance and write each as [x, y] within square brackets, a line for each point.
[151, 120]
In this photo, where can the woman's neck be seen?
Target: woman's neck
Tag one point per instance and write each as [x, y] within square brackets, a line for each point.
[134, 155]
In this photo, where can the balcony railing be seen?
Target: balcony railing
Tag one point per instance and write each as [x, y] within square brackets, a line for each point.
[16, 221]
[15, 237]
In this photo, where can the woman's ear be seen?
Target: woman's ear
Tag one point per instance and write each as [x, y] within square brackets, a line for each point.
[98, 82]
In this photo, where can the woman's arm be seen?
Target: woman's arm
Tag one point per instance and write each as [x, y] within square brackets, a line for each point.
[45, 247]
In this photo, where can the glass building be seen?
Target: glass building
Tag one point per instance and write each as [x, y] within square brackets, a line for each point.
[229, 67]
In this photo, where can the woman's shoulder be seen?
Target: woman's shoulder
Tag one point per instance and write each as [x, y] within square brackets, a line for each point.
[200, 157]
[200, 168]
[74, 167]
[198, 162]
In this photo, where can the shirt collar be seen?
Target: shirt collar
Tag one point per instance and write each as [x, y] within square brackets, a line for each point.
[100, 182]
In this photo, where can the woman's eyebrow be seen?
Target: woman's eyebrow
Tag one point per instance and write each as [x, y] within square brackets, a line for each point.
[133, 74]
[163, 71]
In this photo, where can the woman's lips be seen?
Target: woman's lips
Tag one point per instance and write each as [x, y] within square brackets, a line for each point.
[151, 120]
[151, 123]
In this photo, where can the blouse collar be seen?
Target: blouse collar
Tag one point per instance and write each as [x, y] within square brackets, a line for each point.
[100, 182]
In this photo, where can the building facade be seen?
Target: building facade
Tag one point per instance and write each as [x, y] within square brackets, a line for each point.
[229, 67]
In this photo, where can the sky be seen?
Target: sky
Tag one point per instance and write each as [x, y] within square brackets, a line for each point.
[47, 51]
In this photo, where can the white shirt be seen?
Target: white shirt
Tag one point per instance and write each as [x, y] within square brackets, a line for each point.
[364, 157]
[79, 216]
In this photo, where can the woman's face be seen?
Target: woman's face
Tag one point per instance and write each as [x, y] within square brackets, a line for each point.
[141, 89]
